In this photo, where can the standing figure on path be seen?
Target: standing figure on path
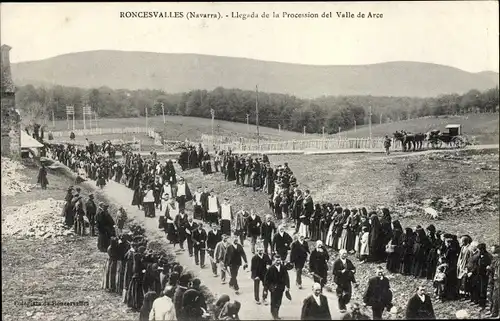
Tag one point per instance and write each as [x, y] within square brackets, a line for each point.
[277, 282]
[226, 211]
[148, 202]
[197, 204]
[171, 213]
[121, 219]
[305, 217]
[42, 177]
[282, 242]
[91, 209]
[267, 230]
[241, 225]
[163, 307]
[190, 228]
[182, 287]
[79, 225]
[253, 226]
[137, 196]
[298, 256]
[213, 208]
[183, 194]
[318, 263]
[214, 237]
[235, 256]
[343, 276]
[494, 281]
[105, 227]
[181, 223]
[420, 306]
[217, 258]
[193, 302]
[315, 306]
[387, 144]
[259, 265]
[378, 294]
[147, 305]
[109, 276]
[200, 245]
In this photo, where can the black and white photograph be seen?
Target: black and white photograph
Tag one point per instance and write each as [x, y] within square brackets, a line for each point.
[199, 161]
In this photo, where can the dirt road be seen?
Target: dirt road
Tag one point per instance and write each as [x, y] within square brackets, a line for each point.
[290, 310]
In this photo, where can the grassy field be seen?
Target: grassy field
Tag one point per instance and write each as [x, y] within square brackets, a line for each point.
[483, 126]
[375, 180]
[180, 127]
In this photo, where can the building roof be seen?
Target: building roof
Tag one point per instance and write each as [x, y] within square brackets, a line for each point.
[453, 126]
[29, 142]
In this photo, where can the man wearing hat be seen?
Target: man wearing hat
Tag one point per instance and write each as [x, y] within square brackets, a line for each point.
[91, 210]
[277, 282]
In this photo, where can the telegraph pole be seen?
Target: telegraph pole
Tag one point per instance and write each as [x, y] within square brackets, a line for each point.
[84, 124]
[163, 111]
[147, 123]
[279, 128]
[370, 120]
[257, 114]
[248, 122]
[304, 133]
[355, 125]
[381, 117]
[213, 115]
[323, 132]
[53, 119]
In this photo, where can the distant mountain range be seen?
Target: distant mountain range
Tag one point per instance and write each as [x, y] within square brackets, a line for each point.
[183, 72]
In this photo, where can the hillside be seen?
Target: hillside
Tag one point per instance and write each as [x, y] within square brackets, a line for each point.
[184, 72]
[483, 127]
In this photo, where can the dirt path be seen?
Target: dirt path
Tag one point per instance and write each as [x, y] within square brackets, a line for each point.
[290, 310]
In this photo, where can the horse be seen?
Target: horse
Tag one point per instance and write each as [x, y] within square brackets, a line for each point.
[408, 140]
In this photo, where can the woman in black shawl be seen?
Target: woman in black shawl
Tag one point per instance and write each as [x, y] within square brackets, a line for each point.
[376, 245]
[105, 227]
[386, 226]
[231, 174]
[337, 225]
[451, 252]
[314, 226]
[407, 251]
[420, 251]
[147, 304]
[432, 257]
[298, 208]
[221, 302]
[109, 276]
[395, 245]
[135, 294]
[123, 247]
[152, 280]
[324, 222]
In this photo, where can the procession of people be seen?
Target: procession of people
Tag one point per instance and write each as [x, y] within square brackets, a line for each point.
[458, 267]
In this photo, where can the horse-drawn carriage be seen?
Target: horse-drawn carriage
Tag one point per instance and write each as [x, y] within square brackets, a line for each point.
[452, 137]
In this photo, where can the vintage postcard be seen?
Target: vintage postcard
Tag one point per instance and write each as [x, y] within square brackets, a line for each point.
[250, 160]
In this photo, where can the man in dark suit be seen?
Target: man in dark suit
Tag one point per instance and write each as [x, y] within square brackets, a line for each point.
[259, 265]
[267, 230]
[200, 245]
[378, 294]
[420, 306]
[253, 228]
[233, 260]
[318, 263]
[298, 256]
[343, 275]
[315, 306]
[278, 282]
[282, 242]
[204, 204]
[190, 228]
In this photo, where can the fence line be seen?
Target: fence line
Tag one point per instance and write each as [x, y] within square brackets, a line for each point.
[101, 131]
[320, 144]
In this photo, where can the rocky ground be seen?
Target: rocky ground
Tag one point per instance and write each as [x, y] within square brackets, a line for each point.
[13, 178]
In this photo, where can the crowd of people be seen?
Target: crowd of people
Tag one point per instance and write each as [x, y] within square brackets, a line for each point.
[458, 267]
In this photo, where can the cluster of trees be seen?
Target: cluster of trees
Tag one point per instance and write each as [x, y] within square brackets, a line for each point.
[287, 111]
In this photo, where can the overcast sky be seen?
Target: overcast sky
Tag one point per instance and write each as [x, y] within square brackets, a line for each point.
[459, 34]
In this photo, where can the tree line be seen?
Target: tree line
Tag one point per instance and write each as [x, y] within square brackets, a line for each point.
[333, 113]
